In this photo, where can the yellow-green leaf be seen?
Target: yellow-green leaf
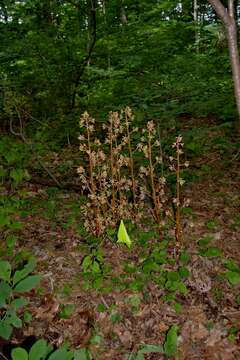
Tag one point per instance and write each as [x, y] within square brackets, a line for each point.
[123, 235]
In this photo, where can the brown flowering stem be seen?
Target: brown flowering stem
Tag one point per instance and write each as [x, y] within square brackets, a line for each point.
[112, 166]
[178, 224]
[92, 184]
[156, 209]
[131, 162]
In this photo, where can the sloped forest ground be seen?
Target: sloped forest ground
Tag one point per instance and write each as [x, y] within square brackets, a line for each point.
[120, 300]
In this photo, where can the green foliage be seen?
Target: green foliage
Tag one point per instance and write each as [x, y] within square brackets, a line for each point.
[170, 344]
[211, 252]
[204, 241]
[146, 349]
[48, 74]
[41, 350]
[233, 277]
[92, 263]
[11, 284]
[184, 257]
[14, 158]
[19, 354]
[8, 209]
[231, 265]
[66, 311]
[134, 301]
[115, 317]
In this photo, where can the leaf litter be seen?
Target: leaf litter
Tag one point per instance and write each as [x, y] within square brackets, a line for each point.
[116, 322]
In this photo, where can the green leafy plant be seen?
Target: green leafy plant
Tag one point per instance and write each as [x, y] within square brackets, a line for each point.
[205, 241]
[174, 283]
[211, 252]
[170, 344]
[233, 277]
[95, 270]
[169, 347]
[12, 284]
[14, 157]
[92, 263]
[146, 349]
[41, 350]
[66, 311]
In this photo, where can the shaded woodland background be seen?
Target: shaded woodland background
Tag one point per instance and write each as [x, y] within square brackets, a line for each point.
[164, 58]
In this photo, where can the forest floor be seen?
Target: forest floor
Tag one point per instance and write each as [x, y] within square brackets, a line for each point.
[123, 304]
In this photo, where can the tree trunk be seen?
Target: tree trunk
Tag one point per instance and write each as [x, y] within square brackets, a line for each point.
[234, 55]
[227, 15]
[196, 22]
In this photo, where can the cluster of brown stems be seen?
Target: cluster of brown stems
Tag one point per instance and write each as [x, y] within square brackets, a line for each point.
[123, 181]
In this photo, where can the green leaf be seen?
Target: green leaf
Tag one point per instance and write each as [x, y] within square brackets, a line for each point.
[28, 284]
[184, 257]
[183, 272]
[211, 252]
[170, 345]
[134, 356]
[147, 349]
[14, 320]
[231, 265]
[123, 235]
[60, 354]
[11, 241]
[18, 303]
[204, 241]
[150, 265]
[139, 356]
[96, 340]
[67, 311]
[5, 330]
[4, 220]
[82, 354]
[5, 270]
[160, 256]
[87, 262]
[21, 274]
[173, 276]
[5, 293]
[101, 308]
[19, 354]
[233, 277]
[181, 287]
[176, 285]
[69, 355]
[17, 175]
[115, 317]
[177, 307]
[38, 350]
[27, 317]
[16, 225]
[95, 267]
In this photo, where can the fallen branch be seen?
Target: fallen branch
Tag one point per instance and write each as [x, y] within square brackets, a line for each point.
[35, 179]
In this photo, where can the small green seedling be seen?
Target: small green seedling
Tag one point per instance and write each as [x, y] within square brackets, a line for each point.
[12, 284]
[66, 311]
[41, 350]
